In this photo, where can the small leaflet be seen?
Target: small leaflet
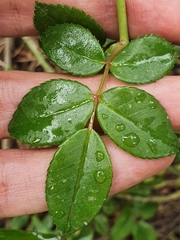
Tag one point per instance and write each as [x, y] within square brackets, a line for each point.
[144, 60]
[137, 123]
[73, 48]
[46, 15]
[78, 181]
[51, 112]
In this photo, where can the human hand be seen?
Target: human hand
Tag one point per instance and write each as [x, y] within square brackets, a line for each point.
[23, 172]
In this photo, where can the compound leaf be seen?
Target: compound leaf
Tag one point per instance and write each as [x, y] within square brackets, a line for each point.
[78, 181]
[73, 48]
[51, 112]
[46, 15]
[144, 60]
[136, 122]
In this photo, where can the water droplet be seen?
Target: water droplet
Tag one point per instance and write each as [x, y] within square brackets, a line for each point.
[152, 145]
[52, 187]
[64, 180]
[99, 156]
[60, 214]
[91, 198]
[100, 176]
[153, 104]
[129, 106]
[69, 120]
[131, 140]
[104, 116]
[120, 127]
[85, 223]
[141, 96]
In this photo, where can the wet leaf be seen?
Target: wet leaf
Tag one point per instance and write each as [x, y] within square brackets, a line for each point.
[136, 122]
[46, 15]
[51, 112]
[73, 48]
[78, 181]
[144, 60]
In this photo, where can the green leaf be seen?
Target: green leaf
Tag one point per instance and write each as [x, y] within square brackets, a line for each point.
[136, 122]
[101, 224]
[25, 235]
[19, 222]
[78, 181]
[177, 48]
[143, 230]
[144, 60]
[73, 48]
[123, 225]
[46, 15]
[86, 233]
[144, 210]
[110, 206]
[51, 112]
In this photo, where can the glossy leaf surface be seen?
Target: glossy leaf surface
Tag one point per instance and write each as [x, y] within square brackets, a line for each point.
[46, 15]
[144, 60]
[136, 122]
[78, 181]
[73, 48]
[51, 112]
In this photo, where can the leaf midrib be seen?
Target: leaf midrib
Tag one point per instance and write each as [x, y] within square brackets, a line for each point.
[79, 175]
[65, 110]
[85, 57]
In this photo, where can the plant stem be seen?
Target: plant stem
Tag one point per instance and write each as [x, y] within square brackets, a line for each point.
[113, 51]
[104, 77]
[34, 49]
[155, 199]
[122, 21]
[123, 39]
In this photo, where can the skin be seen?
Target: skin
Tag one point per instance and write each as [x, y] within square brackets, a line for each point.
[23, 172]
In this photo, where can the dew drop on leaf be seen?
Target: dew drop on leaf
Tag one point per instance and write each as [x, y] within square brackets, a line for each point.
[152, 145]
[120, 127]
[140, 98]
[153, 104]
[131, 140]
[100, 177]
[99, 156]
[104, 116]
[60, 214]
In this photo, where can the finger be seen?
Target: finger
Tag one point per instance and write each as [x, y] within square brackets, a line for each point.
[22, 181]
[23, 175]
[14, 85]
[144, 17]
